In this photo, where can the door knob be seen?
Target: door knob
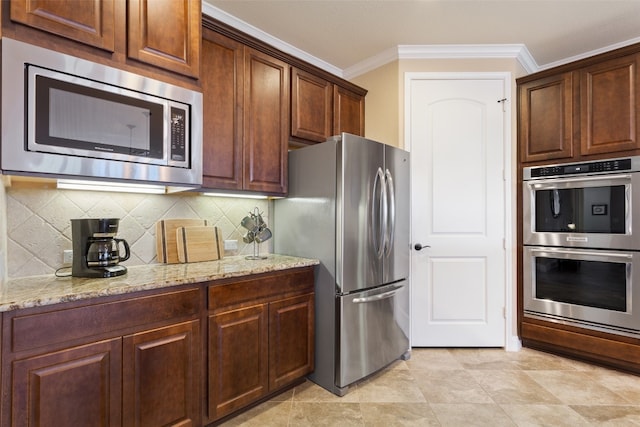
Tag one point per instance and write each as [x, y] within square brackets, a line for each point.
[419, 247]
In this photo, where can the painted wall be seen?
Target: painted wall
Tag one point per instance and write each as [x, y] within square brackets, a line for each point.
[35, 226]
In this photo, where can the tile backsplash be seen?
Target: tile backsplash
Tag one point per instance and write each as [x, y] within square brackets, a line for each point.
[39, 229]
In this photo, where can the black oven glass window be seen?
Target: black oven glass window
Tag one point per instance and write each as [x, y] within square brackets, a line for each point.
[586, 283]
[581, 210]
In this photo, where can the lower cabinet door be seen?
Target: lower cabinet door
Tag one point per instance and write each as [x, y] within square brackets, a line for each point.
[238, 357]
[79, 386]
[161, 376]
[290, 340]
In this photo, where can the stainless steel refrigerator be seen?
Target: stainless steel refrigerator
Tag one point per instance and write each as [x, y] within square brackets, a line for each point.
[348, 206]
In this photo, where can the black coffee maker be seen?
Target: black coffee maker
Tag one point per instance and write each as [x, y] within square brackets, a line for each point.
[96, 250]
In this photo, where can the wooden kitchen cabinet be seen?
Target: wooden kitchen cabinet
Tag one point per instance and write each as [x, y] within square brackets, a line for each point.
[320, 109]
[585, 110]
[165, 33]
[160, 383]
[348, 111]
[88, 22]
[260, 337]
[246, 116]
[162, 33]
[610, 106]
[78, 386]
[546, 118]
[266, 118]
[222, 105]
[291, 337]
[238, 348]
[114, 361]
[311, 106]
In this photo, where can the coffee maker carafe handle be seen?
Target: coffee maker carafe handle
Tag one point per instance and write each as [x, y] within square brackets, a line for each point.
[126, 249]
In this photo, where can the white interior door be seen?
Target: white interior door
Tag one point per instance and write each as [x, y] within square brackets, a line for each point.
[458, 211]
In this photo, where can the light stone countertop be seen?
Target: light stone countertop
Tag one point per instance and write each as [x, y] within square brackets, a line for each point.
[37, 291]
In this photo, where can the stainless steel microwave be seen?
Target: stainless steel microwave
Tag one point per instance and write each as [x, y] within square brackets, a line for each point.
[64, 116]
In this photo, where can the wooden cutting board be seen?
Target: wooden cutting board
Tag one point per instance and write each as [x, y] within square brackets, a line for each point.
[199, 243]
[166, 247]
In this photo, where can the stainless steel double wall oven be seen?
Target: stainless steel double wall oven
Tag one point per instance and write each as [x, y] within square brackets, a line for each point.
[581, 235]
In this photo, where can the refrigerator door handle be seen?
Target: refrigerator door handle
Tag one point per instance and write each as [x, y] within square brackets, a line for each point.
[390, 234]
[377, 297]
[379, 213]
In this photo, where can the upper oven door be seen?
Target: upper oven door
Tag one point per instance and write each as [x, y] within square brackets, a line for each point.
[587, 211]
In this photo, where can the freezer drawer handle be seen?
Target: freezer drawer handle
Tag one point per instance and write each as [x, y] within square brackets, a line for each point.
[378, 297]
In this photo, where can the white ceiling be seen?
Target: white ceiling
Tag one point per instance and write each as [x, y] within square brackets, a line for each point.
[341, 35]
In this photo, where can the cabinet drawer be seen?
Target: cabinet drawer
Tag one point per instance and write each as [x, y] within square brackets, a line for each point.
[42, 329]
[260, 288]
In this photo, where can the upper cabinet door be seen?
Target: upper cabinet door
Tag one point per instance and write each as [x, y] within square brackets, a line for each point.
[311, 106]
[546, 118]
[348, 112]
[222, 87]
[165, 33]
[87, 21]
[609, 106]
[266, 122]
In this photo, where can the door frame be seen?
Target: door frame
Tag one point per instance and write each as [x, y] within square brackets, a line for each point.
[512, 341]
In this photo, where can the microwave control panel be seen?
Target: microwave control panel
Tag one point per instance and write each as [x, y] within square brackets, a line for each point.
[178, 134]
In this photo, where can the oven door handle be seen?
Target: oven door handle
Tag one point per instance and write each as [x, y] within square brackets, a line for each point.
[553, 182]
[551, 252]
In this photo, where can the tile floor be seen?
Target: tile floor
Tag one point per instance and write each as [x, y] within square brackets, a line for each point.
[464, 387]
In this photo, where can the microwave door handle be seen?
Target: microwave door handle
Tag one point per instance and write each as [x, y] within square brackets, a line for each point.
[581, 253]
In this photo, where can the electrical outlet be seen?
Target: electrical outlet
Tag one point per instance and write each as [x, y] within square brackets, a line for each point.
[67, 256]
[230, 245]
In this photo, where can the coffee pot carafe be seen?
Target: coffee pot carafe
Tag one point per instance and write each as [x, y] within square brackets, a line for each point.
[96, 250]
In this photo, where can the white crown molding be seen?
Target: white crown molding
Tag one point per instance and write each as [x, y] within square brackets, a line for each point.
[249, 29]
[590, 53]
[446, 51]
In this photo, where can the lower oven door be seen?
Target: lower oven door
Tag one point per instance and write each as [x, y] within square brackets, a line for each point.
[591, 288]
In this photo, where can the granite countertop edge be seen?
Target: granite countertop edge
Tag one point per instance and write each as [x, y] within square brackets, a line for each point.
[35, 291]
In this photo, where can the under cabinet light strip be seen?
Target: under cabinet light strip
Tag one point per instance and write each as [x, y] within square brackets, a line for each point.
[67, 184]
[239, 195]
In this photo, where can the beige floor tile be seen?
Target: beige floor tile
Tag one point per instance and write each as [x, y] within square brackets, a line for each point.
[450, 386]
[484, 358]
[434, 359]
[532, 360]
[576, 388]
[325, 414]
[609, 415]
[390, 386]
[311, 392]
[398, 415]
[471, 415]
[623, 384]
[513, 387]
[544, 415]
[267, 414]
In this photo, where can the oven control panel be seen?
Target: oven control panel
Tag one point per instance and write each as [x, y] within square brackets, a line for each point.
[603, 166]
